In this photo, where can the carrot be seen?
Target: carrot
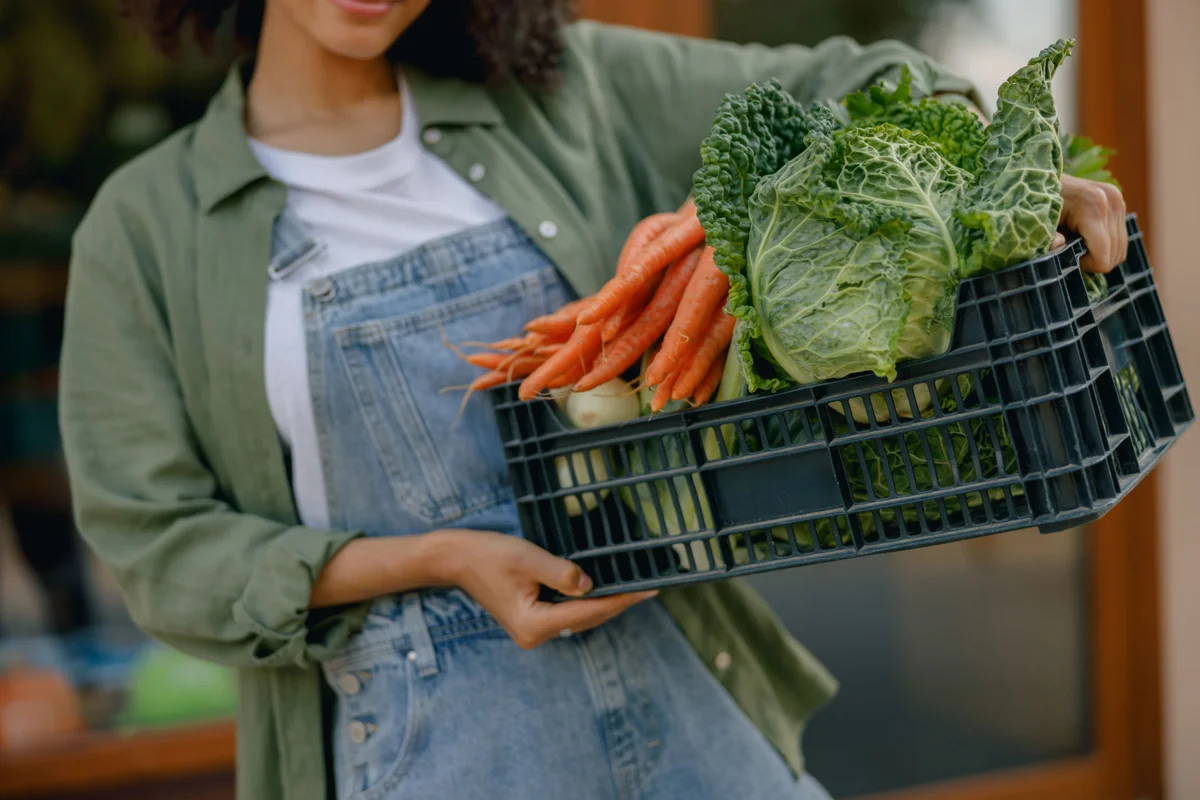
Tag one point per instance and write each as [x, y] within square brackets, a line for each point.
[688, 207]
[720, 332]
[649, 325]
[624, 315]
[705, 292]
[488, 380]
[567, 378]
[643, 233]
[547, 350]
[614, 324]
[561, 322]
[580, 349]
[708, 386]
[662, 393]
[508, 345]
[504, 361]
[493, 378]
[673, 245]
[487, 360]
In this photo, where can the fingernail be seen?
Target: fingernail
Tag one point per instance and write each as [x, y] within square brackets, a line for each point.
[585, 584]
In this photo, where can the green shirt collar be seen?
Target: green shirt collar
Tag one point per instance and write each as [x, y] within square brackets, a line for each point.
[225, 165]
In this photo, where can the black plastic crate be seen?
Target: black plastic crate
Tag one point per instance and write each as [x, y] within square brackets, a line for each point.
[1047, 409]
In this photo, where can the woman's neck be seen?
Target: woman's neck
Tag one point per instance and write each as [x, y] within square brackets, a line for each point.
[303, 97]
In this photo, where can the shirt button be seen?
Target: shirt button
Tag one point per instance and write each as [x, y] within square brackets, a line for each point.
[548, 229]
[321, 288]
[432, 136]
[350, 684]
[476, 172]
[358, 732]
[723, 661]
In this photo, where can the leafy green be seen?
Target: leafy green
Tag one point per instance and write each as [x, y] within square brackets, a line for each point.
[846, 258]
[959, 133]
[1013, 207]
[1129, 387]
[940, 456]
[1085, 159]
[753, 136]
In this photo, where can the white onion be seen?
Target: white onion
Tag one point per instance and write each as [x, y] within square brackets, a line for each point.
[608, 404]
[566, 481]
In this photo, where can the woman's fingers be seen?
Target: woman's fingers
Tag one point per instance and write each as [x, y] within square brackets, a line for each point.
[575, 616]
[1116, 206]
[1097, 211]
[558, 573]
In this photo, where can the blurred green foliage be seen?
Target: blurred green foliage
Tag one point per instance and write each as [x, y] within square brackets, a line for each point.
[81, 92]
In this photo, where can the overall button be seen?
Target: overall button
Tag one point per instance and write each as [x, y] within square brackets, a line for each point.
[350, 684]
[357, 731]
[432, 136]
[477, 172]
[321, 288]
[412, 655]
[548, 229]
[723, 661]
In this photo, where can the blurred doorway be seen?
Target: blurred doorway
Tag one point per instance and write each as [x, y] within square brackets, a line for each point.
[1020, 666]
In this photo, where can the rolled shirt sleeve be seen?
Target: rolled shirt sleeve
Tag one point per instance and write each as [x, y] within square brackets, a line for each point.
[195, 573]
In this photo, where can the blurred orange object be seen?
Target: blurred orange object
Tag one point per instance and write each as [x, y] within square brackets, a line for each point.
[37, 706]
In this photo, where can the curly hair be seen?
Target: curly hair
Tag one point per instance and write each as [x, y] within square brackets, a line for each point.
[482, 41]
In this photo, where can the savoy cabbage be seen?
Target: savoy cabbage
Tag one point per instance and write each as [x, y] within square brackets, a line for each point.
[845, 237]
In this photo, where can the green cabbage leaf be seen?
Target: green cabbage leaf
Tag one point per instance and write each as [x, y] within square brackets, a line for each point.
[844, 248]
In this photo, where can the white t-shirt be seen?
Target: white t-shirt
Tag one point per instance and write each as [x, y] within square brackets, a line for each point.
[365, 207]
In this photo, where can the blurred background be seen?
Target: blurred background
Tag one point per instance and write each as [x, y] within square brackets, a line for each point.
[1019, 666]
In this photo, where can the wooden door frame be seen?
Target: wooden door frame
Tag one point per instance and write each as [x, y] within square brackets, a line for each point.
[1125, 762]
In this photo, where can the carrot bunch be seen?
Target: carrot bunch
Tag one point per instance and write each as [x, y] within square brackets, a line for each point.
[667, 297]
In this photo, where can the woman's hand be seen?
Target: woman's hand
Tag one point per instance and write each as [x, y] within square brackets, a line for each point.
[505, 575]
[1097, 212]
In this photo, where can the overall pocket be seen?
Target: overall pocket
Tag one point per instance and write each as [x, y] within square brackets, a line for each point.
[443, 459]
[379, 721]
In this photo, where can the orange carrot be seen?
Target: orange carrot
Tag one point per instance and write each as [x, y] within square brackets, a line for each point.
[649, 325]
[507, 345]
[708, 386]
[673, 245]
[662, 394]
[614, 324]
[580, 349]
[567, 378]
[688, 207]
[704, 294]
[517, 368]
[561, 322]
[547, 350]
[720, 332]
[624, 315]
[487, 360]
[504, 361]
[643, 233]
[488, 380]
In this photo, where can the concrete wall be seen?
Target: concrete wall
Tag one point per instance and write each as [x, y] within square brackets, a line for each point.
[1173, 53]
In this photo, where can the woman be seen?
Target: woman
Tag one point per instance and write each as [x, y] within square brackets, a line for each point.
[258, 444]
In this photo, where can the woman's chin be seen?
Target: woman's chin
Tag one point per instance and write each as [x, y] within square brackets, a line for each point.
[355, 44]
[358, 29]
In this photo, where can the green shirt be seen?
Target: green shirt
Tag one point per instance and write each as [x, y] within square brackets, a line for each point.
[179, 480]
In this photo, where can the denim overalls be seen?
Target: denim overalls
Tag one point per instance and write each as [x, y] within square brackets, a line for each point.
[434, 701]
